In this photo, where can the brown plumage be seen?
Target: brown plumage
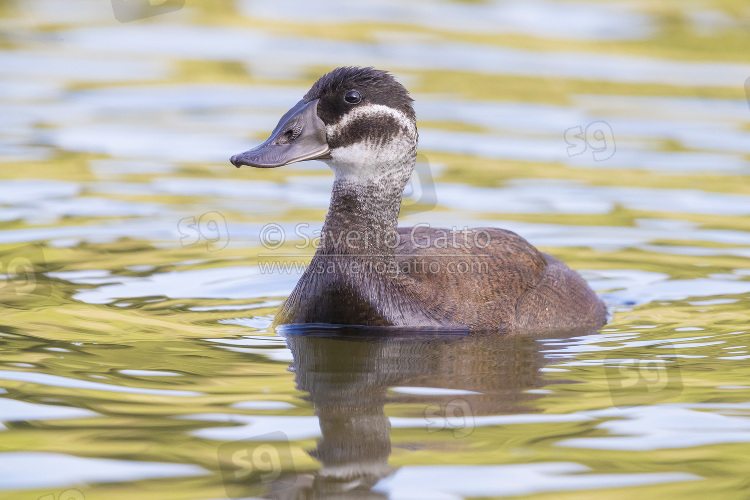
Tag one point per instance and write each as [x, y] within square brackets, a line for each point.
[366, 270]
[509, 285]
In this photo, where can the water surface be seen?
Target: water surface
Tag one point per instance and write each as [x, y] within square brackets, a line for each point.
[136, 356]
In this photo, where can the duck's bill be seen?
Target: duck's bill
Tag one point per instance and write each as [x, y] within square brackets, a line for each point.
[299, 136]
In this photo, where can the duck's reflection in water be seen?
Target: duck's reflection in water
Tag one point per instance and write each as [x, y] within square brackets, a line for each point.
[348, 372]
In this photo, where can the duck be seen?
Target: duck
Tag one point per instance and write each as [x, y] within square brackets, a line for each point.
[367, 271]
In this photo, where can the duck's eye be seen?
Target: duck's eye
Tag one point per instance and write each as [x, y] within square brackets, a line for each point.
[352, 97]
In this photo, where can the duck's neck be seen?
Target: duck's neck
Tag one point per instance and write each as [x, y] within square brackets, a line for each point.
[362, 218]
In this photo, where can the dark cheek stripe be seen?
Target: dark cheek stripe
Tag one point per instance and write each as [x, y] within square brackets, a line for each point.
[377, 130]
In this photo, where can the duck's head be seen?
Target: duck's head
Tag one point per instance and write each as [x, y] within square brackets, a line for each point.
[360, 121]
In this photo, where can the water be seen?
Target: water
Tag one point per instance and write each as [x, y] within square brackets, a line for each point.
[136, 356]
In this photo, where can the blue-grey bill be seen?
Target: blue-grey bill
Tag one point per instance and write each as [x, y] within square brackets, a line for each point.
[300, 135]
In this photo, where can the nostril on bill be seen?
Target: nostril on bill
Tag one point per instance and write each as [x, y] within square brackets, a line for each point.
[290, 135]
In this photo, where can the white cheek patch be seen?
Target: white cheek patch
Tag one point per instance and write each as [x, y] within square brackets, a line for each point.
[349, 160]
[367, 160]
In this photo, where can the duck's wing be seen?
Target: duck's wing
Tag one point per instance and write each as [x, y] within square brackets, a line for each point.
[476, 275]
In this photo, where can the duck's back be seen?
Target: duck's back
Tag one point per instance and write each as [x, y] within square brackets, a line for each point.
[481, 279]
[489, 278]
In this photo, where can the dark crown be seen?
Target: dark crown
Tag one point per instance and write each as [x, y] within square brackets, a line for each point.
[375, 86]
